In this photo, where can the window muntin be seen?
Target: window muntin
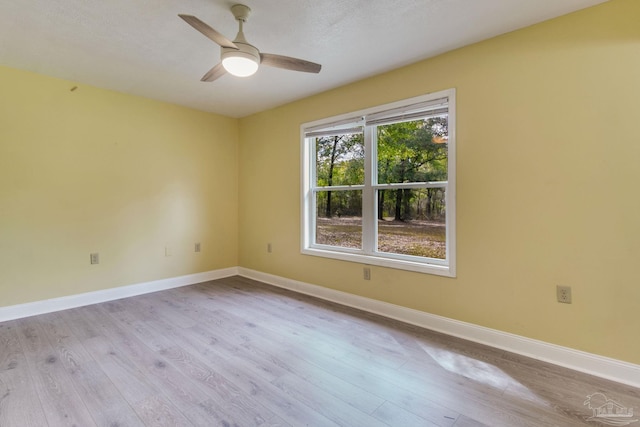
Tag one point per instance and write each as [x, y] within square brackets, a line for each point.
[378, 186]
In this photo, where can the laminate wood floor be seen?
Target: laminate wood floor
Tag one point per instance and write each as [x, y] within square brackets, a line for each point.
[235, 352]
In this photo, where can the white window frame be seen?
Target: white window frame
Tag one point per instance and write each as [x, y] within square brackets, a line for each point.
[446, 267]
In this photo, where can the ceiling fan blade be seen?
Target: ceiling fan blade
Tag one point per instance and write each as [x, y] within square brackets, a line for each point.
[289, 63]
[208, 31]
[214, 73]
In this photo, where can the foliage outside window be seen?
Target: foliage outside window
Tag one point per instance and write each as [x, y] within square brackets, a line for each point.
[379, 185]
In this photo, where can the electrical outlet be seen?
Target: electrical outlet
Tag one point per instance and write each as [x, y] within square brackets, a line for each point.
[94, 258]
[367, 273]
[564, 294]
[269, 248]
[197, 247]
[167, 251]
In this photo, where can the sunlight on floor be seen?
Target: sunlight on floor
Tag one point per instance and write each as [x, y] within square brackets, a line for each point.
[482, 372]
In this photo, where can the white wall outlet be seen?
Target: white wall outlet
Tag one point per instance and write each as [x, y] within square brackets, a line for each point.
[563, 294]
[167, 251]
[366, 273]
[197, 247]
[94, 258]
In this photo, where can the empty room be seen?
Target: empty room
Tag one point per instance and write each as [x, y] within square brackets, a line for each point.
[319, 213]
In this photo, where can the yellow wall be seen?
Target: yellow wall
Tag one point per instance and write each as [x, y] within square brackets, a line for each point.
[97, 171]
[548, 173]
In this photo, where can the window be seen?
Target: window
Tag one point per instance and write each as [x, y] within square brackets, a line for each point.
[378, 186]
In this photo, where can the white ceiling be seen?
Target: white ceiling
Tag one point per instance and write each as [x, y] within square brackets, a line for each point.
[141, 47]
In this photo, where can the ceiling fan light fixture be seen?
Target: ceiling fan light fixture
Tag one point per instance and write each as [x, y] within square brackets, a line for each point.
[240, 64]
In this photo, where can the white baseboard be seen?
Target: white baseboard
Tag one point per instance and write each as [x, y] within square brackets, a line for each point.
[604, 367]
[88, 298]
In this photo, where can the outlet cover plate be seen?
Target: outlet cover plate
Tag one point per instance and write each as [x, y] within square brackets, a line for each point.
[563, 294]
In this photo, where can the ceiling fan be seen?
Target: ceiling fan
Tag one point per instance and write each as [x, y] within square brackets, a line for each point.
[238, 56]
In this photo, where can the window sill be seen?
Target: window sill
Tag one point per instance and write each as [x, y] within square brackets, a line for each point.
[419, 267]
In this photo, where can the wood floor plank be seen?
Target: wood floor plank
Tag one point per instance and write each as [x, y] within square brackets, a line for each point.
[341, 412]
[254, 348]
[235, 352]
[155, 411]
[195, 359]
[489, 412]
[146, 399]
[303, 318]
[304, 356]
[396, 416]
[463, 421]
[249, 379]
[187, 393]
[61, 403]
[10, 348]
[305, 361]
[102, 398]
[300, 334]
[226, 399]
[17, 390]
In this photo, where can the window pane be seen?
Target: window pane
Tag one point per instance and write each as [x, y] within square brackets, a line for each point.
[414, 151]
[339, 218]
[412, 222]
[340, 160]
